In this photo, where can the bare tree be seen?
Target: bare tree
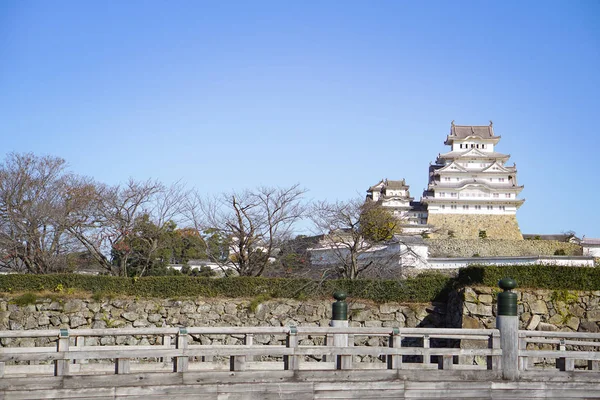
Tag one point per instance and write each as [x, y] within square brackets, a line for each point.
[351, 229]
[110, 217]
[33, 235]
[253, 223]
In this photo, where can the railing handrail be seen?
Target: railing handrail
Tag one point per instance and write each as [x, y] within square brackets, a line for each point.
[300, 330]
[555, 334]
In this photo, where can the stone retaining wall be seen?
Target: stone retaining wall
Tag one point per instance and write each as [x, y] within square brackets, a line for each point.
[497, 247]
[120, 313]
[465, 226]
[467, 308]
[544, 310]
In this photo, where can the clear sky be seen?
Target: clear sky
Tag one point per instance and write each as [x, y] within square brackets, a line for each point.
[334, 95]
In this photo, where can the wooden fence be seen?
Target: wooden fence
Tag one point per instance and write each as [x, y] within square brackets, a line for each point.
[304, 363]
[179, 350]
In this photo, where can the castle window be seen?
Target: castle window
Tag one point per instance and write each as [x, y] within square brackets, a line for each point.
[465, 207]
[483, 146]
[442, 194]
[443, 206]
[477, 145]
[502, 208]
[507, 195]
[452, 194]
[453, 207]
[496, 195]
[472, 145]
[461, 145]
[490, 207]
[500, 179]
[478, 207]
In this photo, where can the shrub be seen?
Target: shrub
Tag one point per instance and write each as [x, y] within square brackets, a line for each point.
[560, 252]
[423, 288]
[532, 276]
[25, 299]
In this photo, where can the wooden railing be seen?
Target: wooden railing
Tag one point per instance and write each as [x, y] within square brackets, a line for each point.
[564, 350]
[178, 350]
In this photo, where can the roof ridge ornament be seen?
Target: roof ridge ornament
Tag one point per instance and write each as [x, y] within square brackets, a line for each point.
[491, 123]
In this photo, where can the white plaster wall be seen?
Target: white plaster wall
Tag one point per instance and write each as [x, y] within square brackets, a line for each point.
[566, 261]
[591, 250]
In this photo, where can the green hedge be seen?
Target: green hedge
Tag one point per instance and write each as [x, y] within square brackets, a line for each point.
[424, 288]
[532, 276]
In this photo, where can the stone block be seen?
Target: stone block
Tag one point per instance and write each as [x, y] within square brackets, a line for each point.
[588, 326]
[556, 319]
[538, 307]
[573, 323]
[486, 298]
[76, 321]
[533, 323]
[593, 315]
[130, 316]
[471, 323]
[543, 326]
[388, 308]
[479, 309]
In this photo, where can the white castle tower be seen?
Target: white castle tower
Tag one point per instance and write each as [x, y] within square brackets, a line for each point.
[471, 192]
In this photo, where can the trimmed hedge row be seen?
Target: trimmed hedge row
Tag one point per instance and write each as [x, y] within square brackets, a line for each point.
[532, 276]
[426, 287]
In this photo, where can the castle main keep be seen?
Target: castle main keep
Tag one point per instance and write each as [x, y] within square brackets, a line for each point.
[471, 193]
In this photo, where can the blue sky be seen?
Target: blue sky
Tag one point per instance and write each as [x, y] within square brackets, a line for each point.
[333, 95]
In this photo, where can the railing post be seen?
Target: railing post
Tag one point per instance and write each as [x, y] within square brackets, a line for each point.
[61, 367]
[238, 363]
[395, 361]
[493, 362]
[426, 353]
[180, 363]
[122, 366]
[291, 362]
[564, 363]
[508, 324]
[339, 319]
[79, 343]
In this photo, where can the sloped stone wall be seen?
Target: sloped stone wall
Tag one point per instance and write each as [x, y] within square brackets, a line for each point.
[496, 247]
[126, 313]
[464, 226]
[542, 310]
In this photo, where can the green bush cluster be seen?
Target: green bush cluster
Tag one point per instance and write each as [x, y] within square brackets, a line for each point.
[532, 276]
[424, 288]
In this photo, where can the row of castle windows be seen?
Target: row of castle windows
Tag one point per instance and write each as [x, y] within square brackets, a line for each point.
[448, 179]
[494, 195]
[453, 207]
[473, 146]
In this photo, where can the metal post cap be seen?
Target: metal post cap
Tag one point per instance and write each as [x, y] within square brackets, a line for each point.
[507, 283]
[340, 296]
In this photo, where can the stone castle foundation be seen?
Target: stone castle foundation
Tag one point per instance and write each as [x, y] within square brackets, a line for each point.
[466, 226]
